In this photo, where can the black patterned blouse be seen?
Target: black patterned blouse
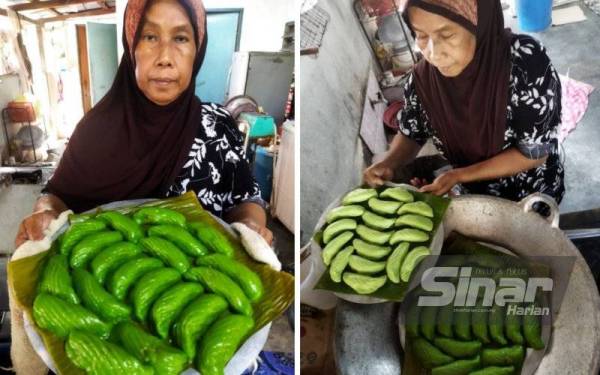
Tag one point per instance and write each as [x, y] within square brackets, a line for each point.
[217, 170]
[533, 120]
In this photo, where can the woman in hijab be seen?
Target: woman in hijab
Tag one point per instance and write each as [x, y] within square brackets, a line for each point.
[489, 99]
[150, 136]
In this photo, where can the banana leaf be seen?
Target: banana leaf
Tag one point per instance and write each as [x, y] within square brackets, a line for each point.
[390, 291]
[23, 276]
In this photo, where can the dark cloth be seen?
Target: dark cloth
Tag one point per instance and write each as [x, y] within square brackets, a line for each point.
[468, 111]
[127, 147]
[216, 167]
[532, 122]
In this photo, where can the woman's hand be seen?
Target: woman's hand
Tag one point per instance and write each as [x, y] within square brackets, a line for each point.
[253, 216]
[507, 163]
[402, 151]
[443, 183]
[418, 182]
[377, 174]
[46, 209]
[33, 226]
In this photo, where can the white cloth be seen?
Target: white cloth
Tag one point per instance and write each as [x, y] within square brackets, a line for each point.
[256, 246]
[24, 358]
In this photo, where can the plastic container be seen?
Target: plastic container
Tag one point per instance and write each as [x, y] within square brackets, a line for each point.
[534, 15]
[263, 172]
[21, 112]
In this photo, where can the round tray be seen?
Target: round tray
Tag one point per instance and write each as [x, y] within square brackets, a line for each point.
[244, 357]
[318, 267]
[532, 357]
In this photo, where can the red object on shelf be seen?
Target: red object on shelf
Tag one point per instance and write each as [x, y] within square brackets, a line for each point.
[390, 116]
[379, 8]
[21, 112]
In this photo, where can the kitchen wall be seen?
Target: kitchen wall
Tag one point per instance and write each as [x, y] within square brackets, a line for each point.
[16, 202]
[263, 22]
[332, 92]
[9, 89]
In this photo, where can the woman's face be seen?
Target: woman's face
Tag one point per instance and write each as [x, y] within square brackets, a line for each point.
[445, 44]
[165, 52]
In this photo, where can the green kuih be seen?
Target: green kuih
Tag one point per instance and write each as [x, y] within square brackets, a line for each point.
[487, 261]
[429, 356]
[341, 212]
[508, 356]
[417, 208]
[358, 196]
[112, 257]
[445, 320]
[339, 264]
[98, 357]
[494, 370]
[338, 227]
[532, 329]
[56, 279]
[461, 367]
[384, 207]
[128, 228]
[377, 222]
[462, 324]
[97, 299]
[80, 218]
[428, 320]
[195, 320]
[479, 323]
[169, 305]
[77, 232]
[415, 221]
[127, 274]
[372, 235]
[408, 235]
[496, 325]
[212, 238]
[61, 317]
[220, 343]
[149, 287]
[397, 193]
[334, 246]
[363, 284]
[158, 215]
[91, 245]
[513, 326]
[412, 260]
[223, 285]
[458, 349]
[370, 251]
[247, 279]
[165, 359]
[412, 322]
[394, 262]
[167, 252]
[365, 266]
[180, 237]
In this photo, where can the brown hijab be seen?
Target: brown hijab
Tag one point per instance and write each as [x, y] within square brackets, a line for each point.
[468, 112]
[127, 147]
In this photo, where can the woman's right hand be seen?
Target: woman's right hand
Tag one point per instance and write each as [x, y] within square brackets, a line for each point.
[377, 174]
[33, 226]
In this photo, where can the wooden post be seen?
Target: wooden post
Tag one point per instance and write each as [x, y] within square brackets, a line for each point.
[84, 69]
[42, 50]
